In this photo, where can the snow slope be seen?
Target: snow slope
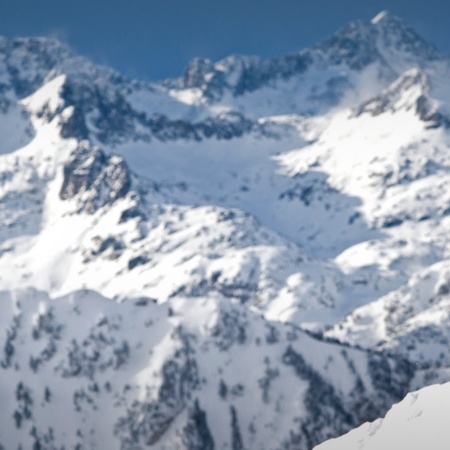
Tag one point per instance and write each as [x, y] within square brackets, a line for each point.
[193, 373]
[417, 422]
[412, 320]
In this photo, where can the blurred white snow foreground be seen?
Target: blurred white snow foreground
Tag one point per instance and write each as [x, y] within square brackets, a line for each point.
[420, 421]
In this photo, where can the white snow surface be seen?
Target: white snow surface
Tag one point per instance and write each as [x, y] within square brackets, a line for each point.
[417, 422]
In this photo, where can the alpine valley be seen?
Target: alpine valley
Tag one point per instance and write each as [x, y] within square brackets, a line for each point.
[254, 255]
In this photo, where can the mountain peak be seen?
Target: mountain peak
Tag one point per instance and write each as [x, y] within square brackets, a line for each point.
[401, 41]
[381, 16]
[386, 38]
[30, 62]
[388, 22]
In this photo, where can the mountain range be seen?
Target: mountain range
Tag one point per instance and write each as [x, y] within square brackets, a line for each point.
[252, 255]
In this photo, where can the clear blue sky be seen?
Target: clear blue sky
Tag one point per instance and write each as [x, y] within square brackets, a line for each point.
[153, 39]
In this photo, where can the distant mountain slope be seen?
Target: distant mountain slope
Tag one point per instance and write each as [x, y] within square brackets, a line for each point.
[83, 371]
[386, 43]
[412, 321]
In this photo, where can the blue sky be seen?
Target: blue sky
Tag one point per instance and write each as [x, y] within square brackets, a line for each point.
[153, 39]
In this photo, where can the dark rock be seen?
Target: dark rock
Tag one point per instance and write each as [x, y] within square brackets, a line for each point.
[74, 126]
[165, 129]
[310, 187]
[111, 244]
[223, 390]
[429, 114]
[226, 126]
[195, 73]
[95, 178]
[390, 222]
[248, 74]
[236, 438]
[196, 434]
[131, 213]
[354, 45]
[137, 261]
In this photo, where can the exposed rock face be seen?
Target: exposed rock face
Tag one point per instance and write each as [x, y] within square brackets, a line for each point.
[412, 82]
[430, 114]
[102, 111]
[94, 178]
[224, 126]
[111, 117]
[201, 74]
[238, 74]
[74, 126]
[409, 91]
[194, 75]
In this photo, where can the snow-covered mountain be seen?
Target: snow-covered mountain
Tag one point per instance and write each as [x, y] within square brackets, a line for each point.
[310, 190]
[193, 373]
[412, 320]
[419, 421]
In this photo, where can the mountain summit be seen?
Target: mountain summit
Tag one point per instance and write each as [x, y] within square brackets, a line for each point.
[386, 40]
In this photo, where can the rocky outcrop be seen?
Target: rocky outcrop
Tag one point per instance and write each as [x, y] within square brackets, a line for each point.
[94, 179]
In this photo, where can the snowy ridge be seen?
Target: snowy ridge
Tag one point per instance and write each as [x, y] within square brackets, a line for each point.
[412, 320]
[418, 422]
[388, 43]
[137, 374]
[129, 236]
